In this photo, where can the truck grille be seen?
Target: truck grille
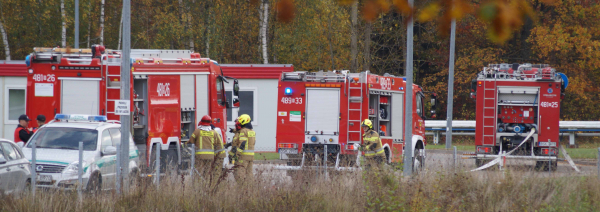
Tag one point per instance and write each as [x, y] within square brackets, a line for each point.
[49, 168]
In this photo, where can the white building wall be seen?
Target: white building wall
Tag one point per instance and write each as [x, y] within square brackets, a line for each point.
[8, 127]
[265, 108]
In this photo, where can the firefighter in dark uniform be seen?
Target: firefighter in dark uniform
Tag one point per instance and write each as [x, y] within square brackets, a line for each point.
[22, 133]
[372, 146]
[243, 146]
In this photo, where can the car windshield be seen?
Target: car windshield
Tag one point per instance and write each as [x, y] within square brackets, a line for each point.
[65, 138]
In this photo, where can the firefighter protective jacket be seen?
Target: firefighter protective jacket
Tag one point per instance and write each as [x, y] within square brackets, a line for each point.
[218, 144]
[244, 143]
[204, 141]
[372, 143]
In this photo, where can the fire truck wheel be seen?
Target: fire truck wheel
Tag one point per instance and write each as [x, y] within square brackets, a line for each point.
[417, 167]
[481, 162]
[387, 156]
[300, 176]
[95, 183]
[172, 159]
[543, 165]
[133, 176]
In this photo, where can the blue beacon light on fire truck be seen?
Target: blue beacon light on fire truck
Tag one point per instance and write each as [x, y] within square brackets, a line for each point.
[288, 91]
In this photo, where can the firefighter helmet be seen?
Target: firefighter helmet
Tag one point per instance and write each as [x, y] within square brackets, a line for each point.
[205, 121]
[367, 123]
[244, 119]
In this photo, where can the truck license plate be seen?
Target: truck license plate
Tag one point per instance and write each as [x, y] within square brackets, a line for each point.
[288, 151]
[547, 144]
[44, 178]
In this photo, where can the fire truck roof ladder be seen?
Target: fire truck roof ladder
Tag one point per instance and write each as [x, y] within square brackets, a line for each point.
[325, 76]
[41, 52]
[489, 108]
[113, 84]
[353, 101]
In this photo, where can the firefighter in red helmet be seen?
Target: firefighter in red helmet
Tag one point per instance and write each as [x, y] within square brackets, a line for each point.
[204, 139]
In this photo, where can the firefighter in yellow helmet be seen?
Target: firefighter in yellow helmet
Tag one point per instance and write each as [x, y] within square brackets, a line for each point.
[373, 148]
[204, 138]
[243, 148]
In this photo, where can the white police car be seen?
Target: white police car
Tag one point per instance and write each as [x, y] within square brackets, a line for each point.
[57, 152]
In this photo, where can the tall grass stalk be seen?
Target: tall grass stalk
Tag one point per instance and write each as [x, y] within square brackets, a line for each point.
[386, 190]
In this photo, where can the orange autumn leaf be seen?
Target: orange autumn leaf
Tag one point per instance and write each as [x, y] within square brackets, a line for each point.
[384, 5]
[285, 11]
[370, 11]
[346, 2]
[403, 7]
[429, 12]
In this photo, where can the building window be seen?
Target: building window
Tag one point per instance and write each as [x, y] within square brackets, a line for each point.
[247, 105]
[16, 104]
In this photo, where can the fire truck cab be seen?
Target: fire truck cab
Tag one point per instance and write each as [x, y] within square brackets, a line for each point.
[324, 110]
[170, 91]
[513, 101]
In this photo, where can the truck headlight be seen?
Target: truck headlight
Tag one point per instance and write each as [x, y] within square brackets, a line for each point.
[73, 168]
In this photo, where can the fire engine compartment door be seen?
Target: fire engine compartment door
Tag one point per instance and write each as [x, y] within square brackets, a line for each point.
[80, 96]
[397, 116]
[518, 95]
[322, 111]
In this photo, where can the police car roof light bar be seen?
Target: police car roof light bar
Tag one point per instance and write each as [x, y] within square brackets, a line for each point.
[75, 117]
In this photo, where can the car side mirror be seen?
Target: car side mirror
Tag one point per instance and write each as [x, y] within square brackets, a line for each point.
[2, 160]
[236, 103]
[236, 88]
[109, 150]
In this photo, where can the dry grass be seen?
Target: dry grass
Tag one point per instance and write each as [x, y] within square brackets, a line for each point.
[272, 190]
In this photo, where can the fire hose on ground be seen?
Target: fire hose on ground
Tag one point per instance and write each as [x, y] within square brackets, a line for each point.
[501, 155]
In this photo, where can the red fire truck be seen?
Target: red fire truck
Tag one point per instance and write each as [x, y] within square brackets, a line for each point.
[513, 101]
[170, 91]
[318, 110]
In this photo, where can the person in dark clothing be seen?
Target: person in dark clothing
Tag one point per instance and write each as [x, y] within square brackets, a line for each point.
[41, 120]
[22, 133]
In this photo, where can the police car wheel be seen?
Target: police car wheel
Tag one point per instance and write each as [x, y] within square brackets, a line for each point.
[95, 183]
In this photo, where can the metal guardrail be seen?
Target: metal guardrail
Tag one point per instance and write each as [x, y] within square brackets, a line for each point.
[467, 127]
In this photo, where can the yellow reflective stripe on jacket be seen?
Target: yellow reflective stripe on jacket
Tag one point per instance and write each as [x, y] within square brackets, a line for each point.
[371, 139]
[243, 139]
[251, 134]
[248, 152]
[205, 152]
